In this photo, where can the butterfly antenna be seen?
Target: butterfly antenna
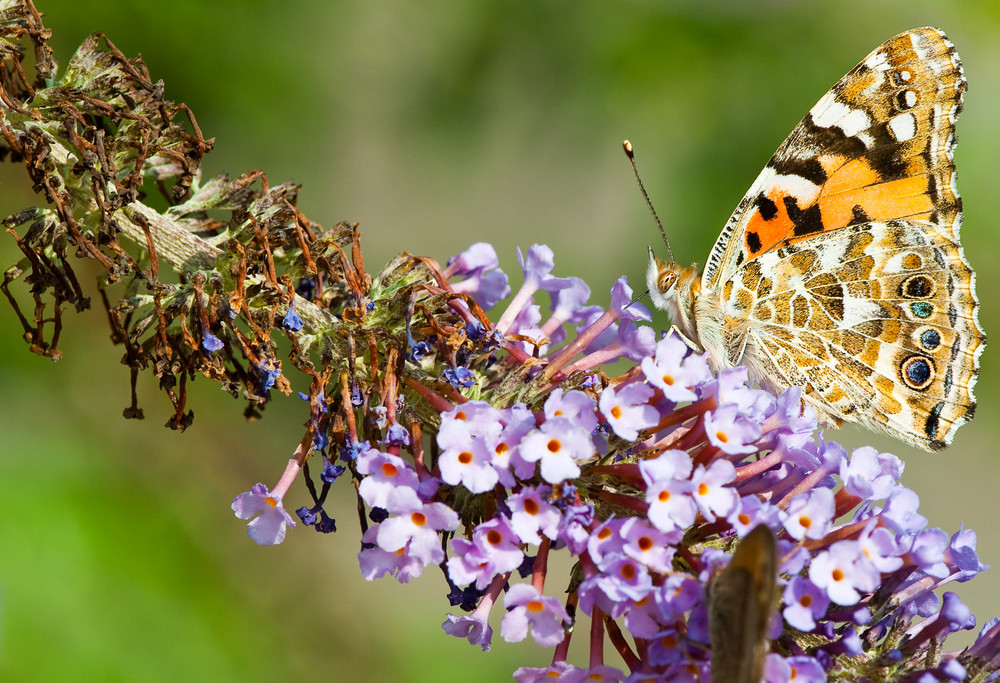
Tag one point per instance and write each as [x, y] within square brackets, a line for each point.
[630, 153]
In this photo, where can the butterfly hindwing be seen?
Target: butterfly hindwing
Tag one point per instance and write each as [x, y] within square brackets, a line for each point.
[876, 322]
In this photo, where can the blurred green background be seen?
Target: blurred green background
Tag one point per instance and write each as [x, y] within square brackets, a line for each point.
[435, 125]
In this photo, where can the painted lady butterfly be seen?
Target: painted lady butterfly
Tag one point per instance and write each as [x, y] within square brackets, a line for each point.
[841, 269]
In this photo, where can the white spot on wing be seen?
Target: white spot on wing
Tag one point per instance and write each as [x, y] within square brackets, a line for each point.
[903, 127]
[923, 51]
[857, 311]
[829, 112]
[804, 191]
[877, 60]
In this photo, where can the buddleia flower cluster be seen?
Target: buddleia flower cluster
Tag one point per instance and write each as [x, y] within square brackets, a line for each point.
[647, 479]
[711, 528]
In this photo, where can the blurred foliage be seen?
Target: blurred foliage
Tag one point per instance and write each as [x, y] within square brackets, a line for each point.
[434, 126]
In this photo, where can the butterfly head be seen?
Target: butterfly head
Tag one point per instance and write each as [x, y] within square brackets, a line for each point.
[673, 289]
[661, 278]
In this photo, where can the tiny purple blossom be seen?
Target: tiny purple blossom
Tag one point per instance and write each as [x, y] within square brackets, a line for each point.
[606, 541]
[465, 458]
[927, 552]
[810, 515]
[643, 542]
[561, 672]
[292, 321]
[870, 474]
[708, 486]
[559, 444]
[879, 545]
[627, 409]
[668, 490]
[567, 300]
[269, 517]
[415, 525]
[459, 377]
[678, 594]
[778, 669]
[573, 528]
[805, 602]
[673, 371]
[670, 504]
[210, 342]
[536, 264]
[376, 562]
[844, 572]
[636, 341]
[961, 554]
[791, 423]
[494, 549]
[750, 513]
[620, 582]
[900, 511]
[532, 516]
[527, 607]
[472, 627]
[507, 459]
[483, 280]
[477, 258]
[731, 431]
[575, 405]
[624, 305]
[386, 473]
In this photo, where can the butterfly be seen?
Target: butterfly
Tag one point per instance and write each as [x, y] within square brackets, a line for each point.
[841, 270]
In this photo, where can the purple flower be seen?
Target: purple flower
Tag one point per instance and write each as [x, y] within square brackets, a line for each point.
[459, 377]
[415, 525]
[731, 431]
[668, 490]
[620, 582]
[843, 572]
[494, 549]
[519, 421]
[708, 486]
[292, 321]
[268, 518]
[574, 405]
[210, 342]
[673, 373]
[810, 515]
[778, 669]
[628, 410]
[805, 602]
[870, 474]
[376, 562]
[559, 445]
[472, 627]
[646, 544]
[466, 458]
[532, 516]
[527, 607]
[386, 473]
[623, 303]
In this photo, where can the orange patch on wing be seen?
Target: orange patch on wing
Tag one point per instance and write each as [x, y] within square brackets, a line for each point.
[769, 232]
[903, 198]
[842, 177]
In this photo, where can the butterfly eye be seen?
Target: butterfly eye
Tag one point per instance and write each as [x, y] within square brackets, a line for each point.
[665, 280]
